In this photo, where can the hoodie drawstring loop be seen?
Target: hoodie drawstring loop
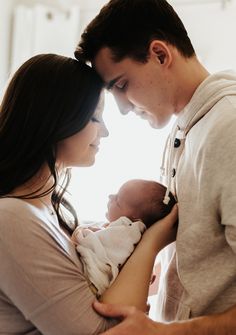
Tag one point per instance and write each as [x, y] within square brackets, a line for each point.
[172, 143]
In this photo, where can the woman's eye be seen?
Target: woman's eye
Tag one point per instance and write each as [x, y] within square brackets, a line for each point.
[94, 119]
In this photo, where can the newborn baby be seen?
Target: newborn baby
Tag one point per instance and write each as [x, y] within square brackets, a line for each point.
[137, 205]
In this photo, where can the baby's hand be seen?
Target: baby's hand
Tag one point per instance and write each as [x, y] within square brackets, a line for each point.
[84, 230]
[94, 228]
[97, 228]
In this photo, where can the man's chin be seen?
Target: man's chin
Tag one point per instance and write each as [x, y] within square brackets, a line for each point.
[155, 124]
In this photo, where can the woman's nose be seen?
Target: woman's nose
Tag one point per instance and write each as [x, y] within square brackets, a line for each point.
[111, 196]
[105, 131]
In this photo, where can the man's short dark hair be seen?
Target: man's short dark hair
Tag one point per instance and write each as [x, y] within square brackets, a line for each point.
[128, 26]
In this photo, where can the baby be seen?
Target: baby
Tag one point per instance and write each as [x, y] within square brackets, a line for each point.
[139, 199]
[137, 205]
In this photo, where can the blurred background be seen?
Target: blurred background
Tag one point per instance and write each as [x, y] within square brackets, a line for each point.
[133, 149]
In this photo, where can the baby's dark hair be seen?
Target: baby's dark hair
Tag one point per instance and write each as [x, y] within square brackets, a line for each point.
[153, 208]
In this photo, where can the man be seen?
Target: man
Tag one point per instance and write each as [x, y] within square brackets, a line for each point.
[143, 53]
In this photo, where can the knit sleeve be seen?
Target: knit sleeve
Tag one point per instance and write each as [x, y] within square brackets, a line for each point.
[42, 280]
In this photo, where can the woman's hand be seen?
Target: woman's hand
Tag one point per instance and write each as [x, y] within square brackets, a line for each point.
[163, 232]
[132, 284]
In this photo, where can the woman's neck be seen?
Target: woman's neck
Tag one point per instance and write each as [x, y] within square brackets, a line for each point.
[39, 184]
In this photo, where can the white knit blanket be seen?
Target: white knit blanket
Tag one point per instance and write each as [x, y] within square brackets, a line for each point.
[104, 251]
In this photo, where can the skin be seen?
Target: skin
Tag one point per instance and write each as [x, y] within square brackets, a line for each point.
[156, 90]
[80, 150]
[74, 151]
[136, 274]
[124, 203]
[134, 322]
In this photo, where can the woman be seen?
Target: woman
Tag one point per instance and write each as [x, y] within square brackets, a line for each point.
[50, 121]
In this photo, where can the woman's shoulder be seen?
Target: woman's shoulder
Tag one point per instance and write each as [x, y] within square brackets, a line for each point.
[12, 205]
[15, 211]
[20, 219]
[24, 226]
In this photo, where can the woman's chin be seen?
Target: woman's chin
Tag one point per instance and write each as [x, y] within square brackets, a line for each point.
[89, 162]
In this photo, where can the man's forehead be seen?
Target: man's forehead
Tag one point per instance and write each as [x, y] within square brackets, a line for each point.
[103, 58]
[105, 65]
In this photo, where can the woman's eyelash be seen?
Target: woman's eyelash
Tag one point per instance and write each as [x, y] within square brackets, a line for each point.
[94, 119]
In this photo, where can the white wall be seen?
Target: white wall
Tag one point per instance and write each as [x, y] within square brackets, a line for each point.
[89, 8]
[210, 26]
[5, 38]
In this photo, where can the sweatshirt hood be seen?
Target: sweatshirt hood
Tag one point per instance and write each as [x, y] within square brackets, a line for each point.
[209, 92]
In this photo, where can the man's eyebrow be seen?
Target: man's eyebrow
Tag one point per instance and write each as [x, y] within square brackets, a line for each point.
[112, 82]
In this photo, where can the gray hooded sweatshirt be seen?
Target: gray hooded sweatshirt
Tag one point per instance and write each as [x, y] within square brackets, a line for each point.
[199, 270]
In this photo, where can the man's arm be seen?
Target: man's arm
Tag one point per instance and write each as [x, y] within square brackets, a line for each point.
[135, 322]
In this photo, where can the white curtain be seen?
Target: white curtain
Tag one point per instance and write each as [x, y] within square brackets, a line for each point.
[43, 29]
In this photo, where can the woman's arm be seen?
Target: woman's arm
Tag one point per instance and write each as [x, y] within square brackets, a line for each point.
[132, 284]
[42, 279]
[47, 288]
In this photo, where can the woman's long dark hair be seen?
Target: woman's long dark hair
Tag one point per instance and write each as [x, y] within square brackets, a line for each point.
[49, 98]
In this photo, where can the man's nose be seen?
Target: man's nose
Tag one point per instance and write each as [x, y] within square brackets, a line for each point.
[111, 196]
[125, 110]
[123, 103]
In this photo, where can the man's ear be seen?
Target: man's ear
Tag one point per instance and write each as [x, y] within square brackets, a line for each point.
[161, 51]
